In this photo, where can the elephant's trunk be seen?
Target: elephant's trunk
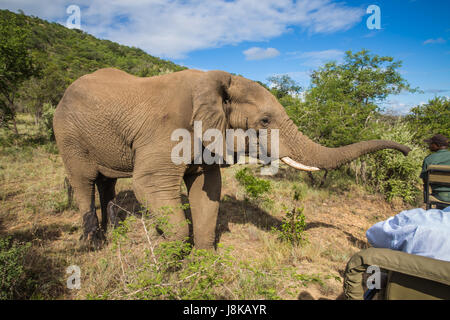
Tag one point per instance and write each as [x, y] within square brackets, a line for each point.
[304, 154]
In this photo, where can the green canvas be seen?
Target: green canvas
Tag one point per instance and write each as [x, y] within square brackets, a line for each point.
[410, 276]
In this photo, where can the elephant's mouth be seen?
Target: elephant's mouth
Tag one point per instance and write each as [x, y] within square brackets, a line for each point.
[298, 166]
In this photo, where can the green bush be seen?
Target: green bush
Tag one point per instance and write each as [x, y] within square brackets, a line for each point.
[344, 96]
[391, 173]
[430, 118]
[171, 273]
[169, 269]
[253, 186]
[13, 278]
[48, 110]
[386, 171]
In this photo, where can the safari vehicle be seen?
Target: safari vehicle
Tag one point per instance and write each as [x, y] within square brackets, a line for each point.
[436, 174]
[396, 275]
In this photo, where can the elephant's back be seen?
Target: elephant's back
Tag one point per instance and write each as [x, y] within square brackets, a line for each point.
[109, 79]
[99, 99]
[110, 112]
[98, 89]
[95, 117]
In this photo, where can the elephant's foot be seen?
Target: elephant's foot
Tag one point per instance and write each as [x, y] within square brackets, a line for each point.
[211, 248]
[92, 235]
[205, 245]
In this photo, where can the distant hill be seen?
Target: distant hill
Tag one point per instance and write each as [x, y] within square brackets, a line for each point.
[66, 54]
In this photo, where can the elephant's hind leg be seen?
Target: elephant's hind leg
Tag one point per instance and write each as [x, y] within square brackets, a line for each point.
[82, 175]
[106, 190]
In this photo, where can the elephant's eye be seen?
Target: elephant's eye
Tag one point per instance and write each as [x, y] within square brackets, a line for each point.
[265, 121]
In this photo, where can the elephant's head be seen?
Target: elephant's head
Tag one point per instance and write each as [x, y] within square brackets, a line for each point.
[222, 101]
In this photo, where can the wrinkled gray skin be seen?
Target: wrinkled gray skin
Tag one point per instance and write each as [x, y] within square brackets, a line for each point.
[110, 125]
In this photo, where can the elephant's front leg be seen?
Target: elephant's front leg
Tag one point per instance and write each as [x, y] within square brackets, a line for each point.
[161, 195]
[204, 195]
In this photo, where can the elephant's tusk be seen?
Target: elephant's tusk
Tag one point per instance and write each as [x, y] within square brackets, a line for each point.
[296, 165]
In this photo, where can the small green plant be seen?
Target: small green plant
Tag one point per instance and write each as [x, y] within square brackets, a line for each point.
[50, 147]
[307, 279]
[120, 233]
[293, 227]
[48, 110]
[256, 282]
[170, 272]
[253, 186]
[13, 278]
[170, 254]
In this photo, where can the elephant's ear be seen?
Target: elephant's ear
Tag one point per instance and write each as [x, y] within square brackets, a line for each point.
[210, 97]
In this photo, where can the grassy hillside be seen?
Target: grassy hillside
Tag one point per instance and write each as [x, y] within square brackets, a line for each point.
[66, 54]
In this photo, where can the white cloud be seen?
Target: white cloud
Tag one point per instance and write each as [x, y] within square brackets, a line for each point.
[398, 106]
[435, 91]
[435, 41]
[257, 53]
[301, 77]
[172, 29]
[46, 9]
[315, 59]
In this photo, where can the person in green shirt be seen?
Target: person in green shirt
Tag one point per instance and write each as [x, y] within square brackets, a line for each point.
[438, 145]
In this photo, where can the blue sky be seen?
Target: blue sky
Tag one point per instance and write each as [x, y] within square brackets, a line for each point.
[261, 38]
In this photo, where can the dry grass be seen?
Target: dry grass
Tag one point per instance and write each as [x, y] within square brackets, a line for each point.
[33, 208]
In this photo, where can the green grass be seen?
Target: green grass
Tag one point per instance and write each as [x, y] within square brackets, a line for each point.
[13, 274]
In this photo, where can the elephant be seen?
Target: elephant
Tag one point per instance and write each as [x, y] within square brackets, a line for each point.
[110, 124]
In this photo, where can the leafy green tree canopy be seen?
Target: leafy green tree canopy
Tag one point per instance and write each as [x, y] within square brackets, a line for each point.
[62, 55]
[430, 118]
[344, 96]
[16, 65]
[283, 85]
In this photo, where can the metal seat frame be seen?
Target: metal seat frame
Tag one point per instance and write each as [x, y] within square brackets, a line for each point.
[436, 174]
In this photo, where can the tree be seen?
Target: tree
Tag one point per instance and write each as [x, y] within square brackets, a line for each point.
[344, 97]
[283, 85]
[62, 55]
[16, 66]
[431, 118]
[48, 89]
